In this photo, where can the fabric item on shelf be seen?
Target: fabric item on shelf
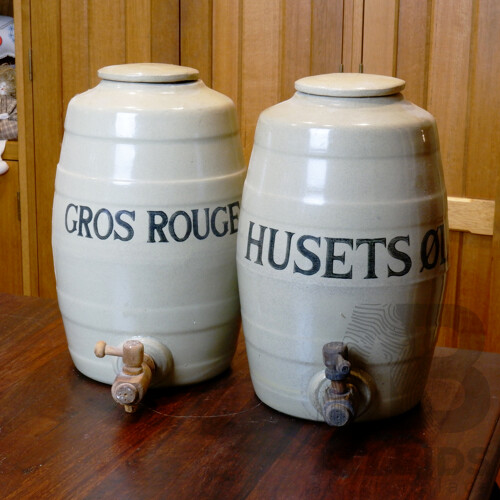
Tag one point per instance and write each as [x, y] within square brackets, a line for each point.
[8, 117]
[7, 40]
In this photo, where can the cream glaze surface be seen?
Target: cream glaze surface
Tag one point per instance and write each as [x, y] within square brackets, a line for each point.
[343, 237]
[145, 218]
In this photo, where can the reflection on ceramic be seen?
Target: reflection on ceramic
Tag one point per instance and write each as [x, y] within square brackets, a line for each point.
[145, 220]
[342, 238]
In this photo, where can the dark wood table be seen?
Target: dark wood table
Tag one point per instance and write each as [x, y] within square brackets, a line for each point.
[62, 435]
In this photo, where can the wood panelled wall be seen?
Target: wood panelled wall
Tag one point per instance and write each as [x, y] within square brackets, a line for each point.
[448, 51]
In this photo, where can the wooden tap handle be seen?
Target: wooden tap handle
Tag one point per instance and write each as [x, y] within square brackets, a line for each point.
[102, 349]
[132, 353]
[335, 358]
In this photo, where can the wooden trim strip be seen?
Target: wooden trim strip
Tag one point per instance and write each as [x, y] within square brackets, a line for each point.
[24, 93]
[471, 215]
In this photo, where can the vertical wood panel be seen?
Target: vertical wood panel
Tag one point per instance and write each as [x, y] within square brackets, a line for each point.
[48, 127]
[473, 291]
[413, 48]
[380, 37]
[226, 53]
[326, 36]
[74, 49]
[447, 101]
[10, 233]
[353, 35]
[138, 31]
[165, 30]
[482, 153]
[261, 63]
[196, 37]
[27, 173]
[483, 137]
[448, 84]
[106, 35]
[296, 45]
[493, 340]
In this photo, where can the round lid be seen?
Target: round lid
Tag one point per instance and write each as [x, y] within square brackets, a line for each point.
[350, 85]
[148, 73]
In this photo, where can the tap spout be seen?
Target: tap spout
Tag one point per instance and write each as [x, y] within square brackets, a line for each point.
[131, 384]
[339, 404]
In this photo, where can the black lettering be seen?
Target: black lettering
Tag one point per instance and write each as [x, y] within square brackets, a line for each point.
[399, 255]
[331, 257]
[224, 224]
[258, 243]
[315, 261]
[73, 228]
[233, 216]
[125, 225]
[171, 226]
[98, 214]
[371, 242]
[84, 221]
[429, 250]
[157, 226]
[442, 240]
[272, 241]
[196, 227]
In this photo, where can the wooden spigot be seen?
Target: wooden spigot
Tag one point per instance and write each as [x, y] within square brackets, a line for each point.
[338, 409]
[133, 381]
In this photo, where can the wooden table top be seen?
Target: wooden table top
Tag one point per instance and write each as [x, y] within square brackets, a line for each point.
[62, 435]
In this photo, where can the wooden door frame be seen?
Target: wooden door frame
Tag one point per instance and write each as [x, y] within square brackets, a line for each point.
[22, 22]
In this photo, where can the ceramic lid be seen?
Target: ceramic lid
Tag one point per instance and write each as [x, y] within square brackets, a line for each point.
[350, 85]
[148, 73]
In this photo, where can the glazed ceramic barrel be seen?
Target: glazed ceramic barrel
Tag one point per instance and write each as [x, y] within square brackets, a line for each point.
[343, 239]
[145, 220]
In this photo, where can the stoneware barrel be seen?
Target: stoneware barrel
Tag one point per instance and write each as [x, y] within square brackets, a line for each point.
[145, 220]
[342, 245]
